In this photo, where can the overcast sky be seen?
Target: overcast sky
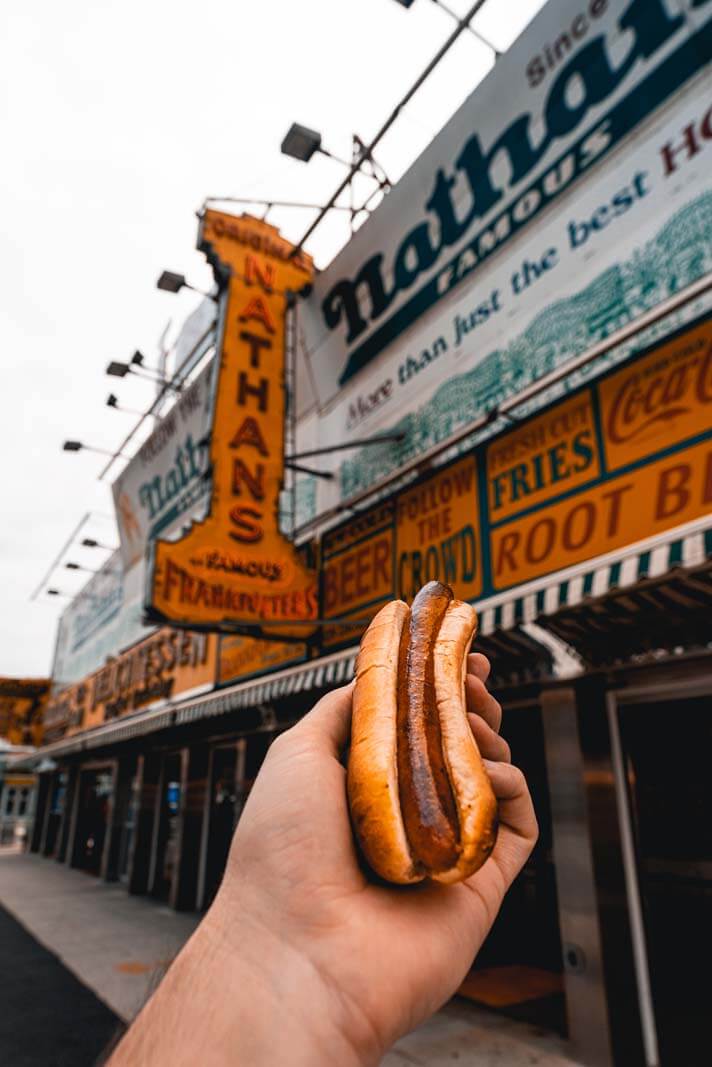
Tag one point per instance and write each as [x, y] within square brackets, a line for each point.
[117, 119]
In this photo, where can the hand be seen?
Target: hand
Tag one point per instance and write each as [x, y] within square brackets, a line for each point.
[315, 963]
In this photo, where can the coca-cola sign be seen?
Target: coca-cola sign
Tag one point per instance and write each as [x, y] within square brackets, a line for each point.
[669, 389]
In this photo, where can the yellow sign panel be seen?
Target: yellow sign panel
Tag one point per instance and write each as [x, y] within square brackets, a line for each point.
[663, 397]
[242, 657]
[235, 570]
[21, 709]
[357, 571]
[547, 456]
[618, 512]
[437, 533]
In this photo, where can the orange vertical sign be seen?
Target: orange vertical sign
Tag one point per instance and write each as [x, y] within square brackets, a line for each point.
[235, 570]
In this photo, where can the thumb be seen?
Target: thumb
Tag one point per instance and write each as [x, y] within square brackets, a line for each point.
[327, 727]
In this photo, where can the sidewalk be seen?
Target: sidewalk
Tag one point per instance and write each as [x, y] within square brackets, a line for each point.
[119, 946]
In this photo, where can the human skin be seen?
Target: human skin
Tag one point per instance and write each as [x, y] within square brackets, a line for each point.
[304, 959]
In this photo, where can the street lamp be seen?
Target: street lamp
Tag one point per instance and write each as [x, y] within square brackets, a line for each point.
[56, 592]
[79, 567]
[89, 542]
[115, 369]
[301, 143]
[454, 15]
[112, 401]
[171, 282]
[79, 446]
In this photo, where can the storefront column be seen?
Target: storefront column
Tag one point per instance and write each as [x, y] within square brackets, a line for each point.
[112, 833]
[148, 771]
[66, 817]
[46, 836]
[194, 788]
[606, 842]
[41, 808]
[72, 812]
[123, 776]
[578, 918]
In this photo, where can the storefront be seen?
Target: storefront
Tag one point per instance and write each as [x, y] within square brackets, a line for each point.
[539, 435]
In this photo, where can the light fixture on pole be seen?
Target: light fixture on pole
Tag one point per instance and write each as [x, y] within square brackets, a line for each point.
[79, 567]
[454, 15]
[301, 143]
[79, 446]
[171, 282]
[112, 401]
[89, 542]
[56, 592]
[116, 369]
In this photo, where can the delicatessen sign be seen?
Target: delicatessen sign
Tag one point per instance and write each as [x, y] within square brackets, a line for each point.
[166, 665]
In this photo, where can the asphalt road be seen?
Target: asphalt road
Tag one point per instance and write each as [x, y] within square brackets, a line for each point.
[48, 1018]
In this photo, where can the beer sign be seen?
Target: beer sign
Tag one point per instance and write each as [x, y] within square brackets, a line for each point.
[235, 570]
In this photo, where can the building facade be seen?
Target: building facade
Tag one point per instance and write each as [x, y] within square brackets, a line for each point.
[523, 379]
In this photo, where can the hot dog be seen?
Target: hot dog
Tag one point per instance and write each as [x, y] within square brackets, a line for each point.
[420, 800]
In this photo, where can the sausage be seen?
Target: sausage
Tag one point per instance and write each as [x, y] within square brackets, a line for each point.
[420, 800]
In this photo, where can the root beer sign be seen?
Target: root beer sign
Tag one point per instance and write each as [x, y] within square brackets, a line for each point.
[606, 468]
[235, 571]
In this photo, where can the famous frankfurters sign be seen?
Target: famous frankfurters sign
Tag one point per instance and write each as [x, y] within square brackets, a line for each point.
[235, 570]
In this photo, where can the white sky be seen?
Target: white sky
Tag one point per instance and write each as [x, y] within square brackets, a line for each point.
[116, 120]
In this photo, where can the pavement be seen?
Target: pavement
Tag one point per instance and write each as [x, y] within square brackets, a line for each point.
[114, 949]
[48, 1016]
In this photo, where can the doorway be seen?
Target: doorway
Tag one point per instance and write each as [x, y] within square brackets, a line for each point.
[127, 802]
[167, 836]
[95, 788]
[226, 774]
[666, 749]
[519, 969]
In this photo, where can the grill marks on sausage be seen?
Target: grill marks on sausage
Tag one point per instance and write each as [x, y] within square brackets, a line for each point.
[427, 801]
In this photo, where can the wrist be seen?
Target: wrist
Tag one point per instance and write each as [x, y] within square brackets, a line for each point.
[276, 1002]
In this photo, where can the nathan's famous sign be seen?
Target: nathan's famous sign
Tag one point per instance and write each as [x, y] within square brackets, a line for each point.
[235, 570]
[580, 78]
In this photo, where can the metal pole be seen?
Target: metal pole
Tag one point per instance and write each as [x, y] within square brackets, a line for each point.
[367, 151]
[635, 911]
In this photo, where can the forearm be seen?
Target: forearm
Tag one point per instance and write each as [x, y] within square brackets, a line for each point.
[239, 997]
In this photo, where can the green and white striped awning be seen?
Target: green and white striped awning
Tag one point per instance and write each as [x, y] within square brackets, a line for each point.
[326, 672]
[659, 590]
[656, 594]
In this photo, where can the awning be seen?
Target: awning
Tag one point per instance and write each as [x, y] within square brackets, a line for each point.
[654, 595]
[328, 671]
[335, 669]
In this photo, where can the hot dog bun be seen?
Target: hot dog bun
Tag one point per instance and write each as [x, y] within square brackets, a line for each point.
[421, 803]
